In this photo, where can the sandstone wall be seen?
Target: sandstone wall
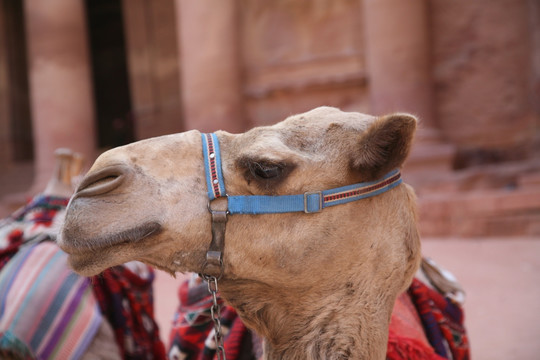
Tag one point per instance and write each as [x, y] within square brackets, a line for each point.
[297, 55]
[483, 67]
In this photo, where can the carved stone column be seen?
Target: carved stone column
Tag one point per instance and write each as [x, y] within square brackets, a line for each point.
[209, 63]
[60, 84]
[399, 73]
[152, 57]
[5, 108]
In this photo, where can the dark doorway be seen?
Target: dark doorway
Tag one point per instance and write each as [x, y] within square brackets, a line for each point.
[110, 73]
[18, 98]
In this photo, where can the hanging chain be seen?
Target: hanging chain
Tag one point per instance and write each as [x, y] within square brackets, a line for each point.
[215, 311]
[213, 267]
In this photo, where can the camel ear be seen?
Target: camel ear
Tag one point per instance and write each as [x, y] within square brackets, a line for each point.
[384, 146]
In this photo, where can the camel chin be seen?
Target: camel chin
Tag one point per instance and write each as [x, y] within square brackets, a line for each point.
[86, 266]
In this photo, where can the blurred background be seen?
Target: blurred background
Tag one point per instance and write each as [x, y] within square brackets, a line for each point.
[95, 74]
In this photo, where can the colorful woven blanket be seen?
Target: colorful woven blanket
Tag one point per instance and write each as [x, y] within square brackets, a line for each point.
[192, 334]
[442, 319]
[36, 221]
[424, 325]
[46, 310]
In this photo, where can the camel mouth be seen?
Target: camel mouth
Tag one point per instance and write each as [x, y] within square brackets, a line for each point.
[104, 243]
[93, 256]
[102, 181]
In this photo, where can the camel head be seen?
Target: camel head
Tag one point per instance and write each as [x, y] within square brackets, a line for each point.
[148, 201]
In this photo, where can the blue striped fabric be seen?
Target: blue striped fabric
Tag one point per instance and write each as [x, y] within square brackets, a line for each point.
[45, 305]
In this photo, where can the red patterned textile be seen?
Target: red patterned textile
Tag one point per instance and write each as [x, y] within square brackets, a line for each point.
[410, 336]
[126, 301]
[442, 319]
[406, 337]
[192, 334]
[33, 222]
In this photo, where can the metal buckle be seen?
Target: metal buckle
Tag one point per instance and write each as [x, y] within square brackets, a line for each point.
[308, 193]
[213, 259]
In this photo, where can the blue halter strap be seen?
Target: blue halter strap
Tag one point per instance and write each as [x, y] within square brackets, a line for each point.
[308, 202]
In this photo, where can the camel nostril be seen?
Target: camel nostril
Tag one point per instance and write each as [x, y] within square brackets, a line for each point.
[102, 181]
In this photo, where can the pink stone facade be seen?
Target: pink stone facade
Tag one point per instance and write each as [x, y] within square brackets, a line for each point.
[483, 54]
[469, 69]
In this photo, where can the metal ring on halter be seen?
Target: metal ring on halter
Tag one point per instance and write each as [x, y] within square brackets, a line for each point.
[209, 204]
[205, 274]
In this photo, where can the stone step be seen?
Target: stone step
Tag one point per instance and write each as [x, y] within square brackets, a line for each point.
[529, 180]
[506, 212]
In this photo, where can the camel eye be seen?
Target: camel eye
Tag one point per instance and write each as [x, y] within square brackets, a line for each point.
[265, 170]
[267, 174]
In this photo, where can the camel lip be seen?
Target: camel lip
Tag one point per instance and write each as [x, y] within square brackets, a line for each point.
[100, 244]
[103, 181]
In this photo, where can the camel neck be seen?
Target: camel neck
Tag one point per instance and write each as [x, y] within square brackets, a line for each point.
[344, 325]
[328, 337]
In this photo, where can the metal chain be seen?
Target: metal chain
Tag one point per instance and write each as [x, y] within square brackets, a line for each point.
[215, 311]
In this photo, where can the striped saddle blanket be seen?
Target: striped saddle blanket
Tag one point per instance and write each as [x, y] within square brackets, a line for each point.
[46, 310]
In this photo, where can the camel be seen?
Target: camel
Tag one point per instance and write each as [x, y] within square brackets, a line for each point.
[319, 283]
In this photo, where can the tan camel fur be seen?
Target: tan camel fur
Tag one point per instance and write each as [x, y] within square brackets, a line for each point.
[315, 286]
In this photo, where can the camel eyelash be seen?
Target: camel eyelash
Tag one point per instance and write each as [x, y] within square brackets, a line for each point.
[267, 173]
[265, 170]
